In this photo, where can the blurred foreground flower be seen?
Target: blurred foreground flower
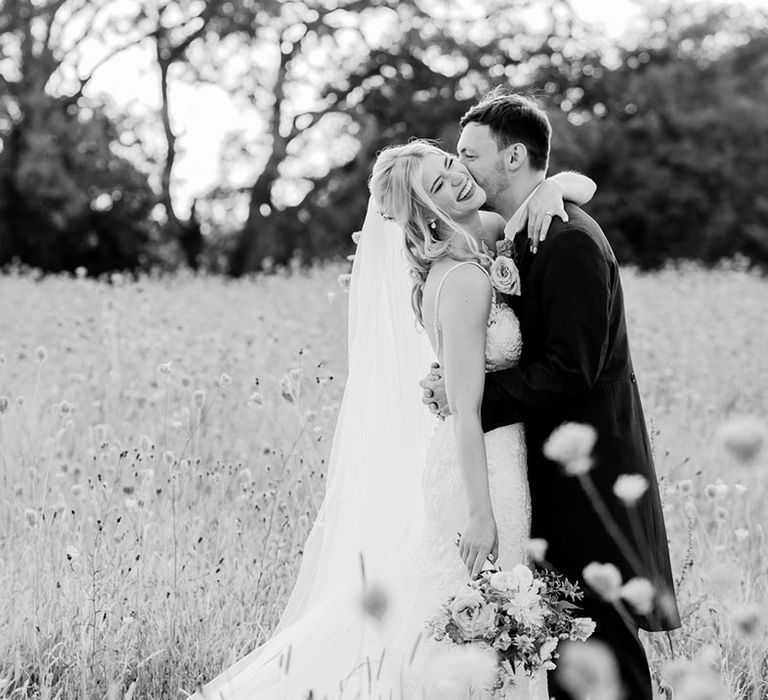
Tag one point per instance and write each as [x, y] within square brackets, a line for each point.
[375, 602]
[696, 679]
[747, 619]
[629, 488]
[537, 549]
[604, 579]
[743, 437]
[588, 670]
[571, 446]
[639, 593]
[459, 672]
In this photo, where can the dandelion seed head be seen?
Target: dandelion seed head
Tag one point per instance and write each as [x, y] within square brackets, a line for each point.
[604, 579]
[639, 593]
[30, 516]
[571, 445]
[40, 354]
[165, 369]
[589, 669]
[629, 488]
[199, 398]
[537, 549]
[224, 380]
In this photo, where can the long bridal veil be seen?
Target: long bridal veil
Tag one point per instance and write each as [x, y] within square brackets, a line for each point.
[374, 500]
[372, 512]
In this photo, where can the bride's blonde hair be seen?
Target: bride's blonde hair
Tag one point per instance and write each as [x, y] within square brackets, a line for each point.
[396, 186]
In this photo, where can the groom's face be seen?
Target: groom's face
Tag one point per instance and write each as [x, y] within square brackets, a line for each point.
[479, 152]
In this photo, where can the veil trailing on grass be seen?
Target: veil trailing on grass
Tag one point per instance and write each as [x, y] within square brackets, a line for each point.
[374, 499]
[373, 511]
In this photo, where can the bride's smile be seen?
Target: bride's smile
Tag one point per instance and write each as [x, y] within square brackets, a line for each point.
[451, 187]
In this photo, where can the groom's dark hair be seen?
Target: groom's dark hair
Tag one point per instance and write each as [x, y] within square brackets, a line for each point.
[514, 119]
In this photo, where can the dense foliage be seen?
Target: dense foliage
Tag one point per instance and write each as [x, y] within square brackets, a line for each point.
[671, 127]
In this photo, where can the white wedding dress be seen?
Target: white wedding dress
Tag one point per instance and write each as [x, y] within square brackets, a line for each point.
[332, 648]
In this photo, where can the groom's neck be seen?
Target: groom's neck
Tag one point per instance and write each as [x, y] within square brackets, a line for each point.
[517, 192]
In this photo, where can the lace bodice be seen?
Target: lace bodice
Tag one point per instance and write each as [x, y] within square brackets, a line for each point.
[503, 343]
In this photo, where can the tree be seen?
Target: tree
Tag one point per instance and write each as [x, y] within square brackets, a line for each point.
[65, 198]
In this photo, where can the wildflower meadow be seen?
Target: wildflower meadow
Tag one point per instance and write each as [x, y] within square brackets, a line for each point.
[163, 447]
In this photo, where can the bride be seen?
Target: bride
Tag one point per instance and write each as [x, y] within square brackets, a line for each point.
[412, 510]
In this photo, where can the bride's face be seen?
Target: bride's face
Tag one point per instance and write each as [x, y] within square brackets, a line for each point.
[450, 186]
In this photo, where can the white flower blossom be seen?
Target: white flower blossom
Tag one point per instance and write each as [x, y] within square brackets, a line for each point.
[604, 579]
[630, 488]
[639, 593]
[571, 445]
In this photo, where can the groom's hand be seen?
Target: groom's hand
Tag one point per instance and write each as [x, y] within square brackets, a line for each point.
[434, 397]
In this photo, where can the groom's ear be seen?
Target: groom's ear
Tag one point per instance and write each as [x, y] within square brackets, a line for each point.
[515, 156]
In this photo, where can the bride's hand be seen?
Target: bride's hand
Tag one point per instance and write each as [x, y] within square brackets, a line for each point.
[480, 539]
[545, 203]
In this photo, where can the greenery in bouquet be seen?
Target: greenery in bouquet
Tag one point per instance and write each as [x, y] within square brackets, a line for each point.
[521, 614]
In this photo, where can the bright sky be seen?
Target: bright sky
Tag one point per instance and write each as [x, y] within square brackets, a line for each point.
[203, 115]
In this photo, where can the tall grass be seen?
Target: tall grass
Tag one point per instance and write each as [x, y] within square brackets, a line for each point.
[162, 457]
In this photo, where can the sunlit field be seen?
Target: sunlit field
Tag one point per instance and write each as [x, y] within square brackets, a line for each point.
[162, 457]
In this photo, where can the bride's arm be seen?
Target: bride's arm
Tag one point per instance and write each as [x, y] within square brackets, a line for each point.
[546, 202]
[463, 314]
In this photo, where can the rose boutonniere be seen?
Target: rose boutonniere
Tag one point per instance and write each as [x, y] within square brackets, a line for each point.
[504, 247]
[505, 276]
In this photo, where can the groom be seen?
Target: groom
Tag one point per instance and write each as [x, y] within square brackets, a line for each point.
[576, 366]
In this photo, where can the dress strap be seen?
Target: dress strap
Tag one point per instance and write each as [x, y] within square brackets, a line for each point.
[438, 327]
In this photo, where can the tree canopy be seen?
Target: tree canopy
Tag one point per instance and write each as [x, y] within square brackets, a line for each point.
[671, 127]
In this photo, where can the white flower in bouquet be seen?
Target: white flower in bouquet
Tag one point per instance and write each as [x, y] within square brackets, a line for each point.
[505, 276]
[459, 672]
[545, 653]
[639, 593]
[473, 617]
[604, 579]
[582, 629]
[571, 445]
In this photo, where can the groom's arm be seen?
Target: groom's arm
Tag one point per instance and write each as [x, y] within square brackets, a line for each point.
[575, 289]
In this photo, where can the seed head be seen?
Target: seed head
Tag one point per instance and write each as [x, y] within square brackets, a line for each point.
[630, 488]
[40, 354]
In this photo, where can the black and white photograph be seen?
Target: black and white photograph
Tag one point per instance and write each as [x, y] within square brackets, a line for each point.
[383, 350]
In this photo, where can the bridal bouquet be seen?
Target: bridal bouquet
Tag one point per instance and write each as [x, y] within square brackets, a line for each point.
[520, 614]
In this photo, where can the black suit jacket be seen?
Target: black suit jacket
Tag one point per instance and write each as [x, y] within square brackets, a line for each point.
[576, 366]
